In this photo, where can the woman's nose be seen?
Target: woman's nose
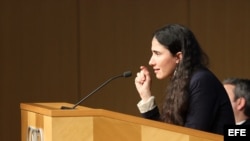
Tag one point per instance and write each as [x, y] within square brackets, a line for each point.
[151, 61]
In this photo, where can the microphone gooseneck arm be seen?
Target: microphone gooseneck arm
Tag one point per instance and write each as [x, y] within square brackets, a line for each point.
[98, 88]
[125, 74]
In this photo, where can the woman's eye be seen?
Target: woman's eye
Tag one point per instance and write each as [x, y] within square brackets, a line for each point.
[157, 53]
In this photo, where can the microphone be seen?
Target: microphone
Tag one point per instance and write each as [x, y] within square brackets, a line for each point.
[125, 74]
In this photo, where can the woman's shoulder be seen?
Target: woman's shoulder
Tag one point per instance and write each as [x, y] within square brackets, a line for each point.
[202, 74]
[204, 77]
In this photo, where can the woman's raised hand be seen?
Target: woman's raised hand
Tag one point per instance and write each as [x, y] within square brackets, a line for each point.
[143, 83]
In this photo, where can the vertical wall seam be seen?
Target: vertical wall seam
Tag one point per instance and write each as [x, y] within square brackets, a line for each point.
[78, 49]
[188, 12]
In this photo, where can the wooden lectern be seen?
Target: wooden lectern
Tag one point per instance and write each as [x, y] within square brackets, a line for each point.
[47, 122]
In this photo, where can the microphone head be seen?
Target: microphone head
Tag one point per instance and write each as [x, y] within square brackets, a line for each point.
[127, 74]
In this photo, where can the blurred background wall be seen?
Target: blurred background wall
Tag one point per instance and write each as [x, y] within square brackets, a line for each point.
[61, 50]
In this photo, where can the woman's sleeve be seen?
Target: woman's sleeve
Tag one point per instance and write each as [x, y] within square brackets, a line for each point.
[148, 109]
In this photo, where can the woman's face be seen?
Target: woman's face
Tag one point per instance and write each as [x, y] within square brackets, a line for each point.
[162, 61]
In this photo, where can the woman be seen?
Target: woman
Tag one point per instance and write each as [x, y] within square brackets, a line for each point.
[195, 98]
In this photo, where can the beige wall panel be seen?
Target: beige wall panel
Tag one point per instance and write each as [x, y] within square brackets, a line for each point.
[223, 30]
[38, 49]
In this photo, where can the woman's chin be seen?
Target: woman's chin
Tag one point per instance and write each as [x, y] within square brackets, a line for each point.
[160, 77]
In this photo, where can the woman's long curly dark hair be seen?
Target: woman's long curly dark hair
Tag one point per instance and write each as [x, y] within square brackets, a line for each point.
[177, 38]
